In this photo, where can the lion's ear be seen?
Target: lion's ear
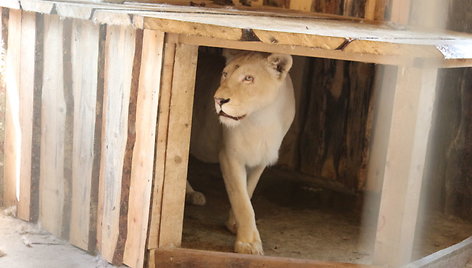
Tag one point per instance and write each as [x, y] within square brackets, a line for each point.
[230, 54]
[280, 64]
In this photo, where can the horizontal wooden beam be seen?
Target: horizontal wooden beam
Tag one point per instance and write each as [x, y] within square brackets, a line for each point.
[311, 35]
[454, 256]
[179, 257]
[305, 51]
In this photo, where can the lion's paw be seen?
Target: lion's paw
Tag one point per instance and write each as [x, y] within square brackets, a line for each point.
[196, 198]
[254, 248]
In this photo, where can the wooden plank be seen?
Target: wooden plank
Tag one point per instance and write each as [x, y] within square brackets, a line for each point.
[400, 11]
[119, 56]
[37, 6]
[12, 120]
[400, 59]
[12, 4]
[143, 164]
[74, 11]
[129, 152]
[36, 142]
[3, 47]
[178, 143]
[177, 257]
[98, 142]
[68, 125]
[84, 51]
[404, 153]
[161, 143]
[53, 116]
[375, 10]
[116, 18]
[324, 32]
[301, 5]
[26, 94]
[337, 102]
[458, 255]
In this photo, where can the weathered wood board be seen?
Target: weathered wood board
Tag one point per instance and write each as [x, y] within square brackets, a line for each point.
[12, 127]
[85, 53]
[119, 56]
[53, 116]
[458, 255]
[161, 142]
[178, 140]
[3, 47]
[176, 257]
[143, 162]
[26, 101]
[404, 151]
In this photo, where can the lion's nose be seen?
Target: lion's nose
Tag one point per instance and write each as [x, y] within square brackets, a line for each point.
[221, 101]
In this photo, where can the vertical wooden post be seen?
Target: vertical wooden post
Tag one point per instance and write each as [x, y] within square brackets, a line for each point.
[119, 56]
[173, 139]
[178, 143]
[161, 142]
[84, 52]
[401, 152]
[143, 162]
[12, 120]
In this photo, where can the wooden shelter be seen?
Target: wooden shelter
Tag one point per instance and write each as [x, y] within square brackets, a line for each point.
[99, 108]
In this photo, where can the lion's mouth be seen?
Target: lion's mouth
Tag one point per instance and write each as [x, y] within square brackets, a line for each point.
[236, 118]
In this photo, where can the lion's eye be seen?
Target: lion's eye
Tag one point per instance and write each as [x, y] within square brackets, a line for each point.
[248, 78]
[224, 74]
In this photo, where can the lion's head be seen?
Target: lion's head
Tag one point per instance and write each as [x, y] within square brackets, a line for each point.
[250, 82]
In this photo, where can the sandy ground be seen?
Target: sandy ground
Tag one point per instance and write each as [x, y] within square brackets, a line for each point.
[24, 245]
[300, 221]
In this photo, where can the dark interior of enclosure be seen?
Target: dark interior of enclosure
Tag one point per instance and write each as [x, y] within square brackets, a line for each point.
[310, 204]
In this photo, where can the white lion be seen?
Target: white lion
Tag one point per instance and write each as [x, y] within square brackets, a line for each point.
[255, 104]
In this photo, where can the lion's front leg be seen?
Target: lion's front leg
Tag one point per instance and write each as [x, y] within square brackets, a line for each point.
[234, 174]
[253, 176]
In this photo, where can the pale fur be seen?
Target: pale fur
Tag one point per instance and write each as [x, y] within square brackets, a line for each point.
[245, 147]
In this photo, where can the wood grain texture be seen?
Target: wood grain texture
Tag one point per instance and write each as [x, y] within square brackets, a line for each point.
[178, 141]
[119, 55]
[332, 142]
[404, 152]
[161, 141]
[129, 152]
[37, 6]
[53, 116]
[68, 125]
[143, 160]
[94, 197]
[12, 124]
[176, 257]
[84, 51]
[457, 255]
[400, 11]
[36, 143]
[316, 31]
[3, 45]
[375, 9]
[26, 97]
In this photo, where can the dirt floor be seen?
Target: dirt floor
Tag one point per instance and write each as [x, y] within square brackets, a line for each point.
[295, 220]
[24, 245]
[299, 221]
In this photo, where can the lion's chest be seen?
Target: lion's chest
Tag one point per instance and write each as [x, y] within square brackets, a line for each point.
[254, 145]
